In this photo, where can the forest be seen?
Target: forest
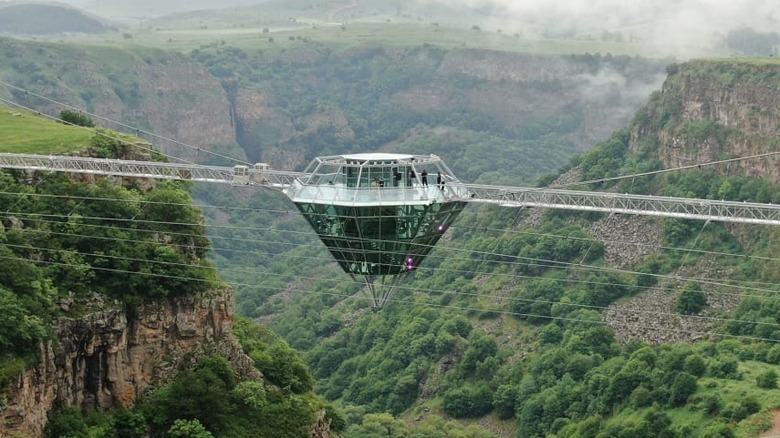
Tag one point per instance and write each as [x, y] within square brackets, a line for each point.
[495, 333]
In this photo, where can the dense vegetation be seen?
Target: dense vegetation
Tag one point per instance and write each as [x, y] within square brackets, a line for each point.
[507, 322]
[66, 242]
[62, 241]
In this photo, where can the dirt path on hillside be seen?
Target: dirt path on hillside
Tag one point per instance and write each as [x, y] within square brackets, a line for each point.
[774, 432]
[340, 7]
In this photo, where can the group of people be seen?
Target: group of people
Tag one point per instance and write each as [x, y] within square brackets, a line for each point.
[424, 178]
[378, 183]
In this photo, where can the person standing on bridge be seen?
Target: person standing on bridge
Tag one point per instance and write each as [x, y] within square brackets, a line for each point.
[440, 180]
[424, 178]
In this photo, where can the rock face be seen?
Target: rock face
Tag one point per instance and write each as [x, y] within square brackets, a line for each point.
[713, 110]
[706, 111]
[111, 356]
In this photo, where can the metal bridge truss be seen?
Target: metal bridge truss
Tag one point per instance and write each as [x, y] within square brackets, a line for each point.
[237, 175]
[684, 208]
[260, 174]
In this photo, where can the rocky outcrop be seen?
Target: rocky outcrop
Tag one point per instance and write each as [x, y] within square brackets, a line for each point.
[706, 111]
[712, 110]
[627, 239]
[112, 355]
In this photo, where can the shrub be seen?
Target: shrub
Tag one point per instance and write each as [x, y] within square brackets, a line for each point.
[724, 367]
[76, 118]
[712, 405]
[695, 365]
[773, 355]
[717, 430]
[468, 402]
[691, 300]
[683, 386]
[767, 380]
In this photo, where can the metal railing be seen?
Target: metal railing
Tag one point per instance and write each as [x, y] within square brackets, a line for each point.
[238, 175]
[685, 208]
[291, 182]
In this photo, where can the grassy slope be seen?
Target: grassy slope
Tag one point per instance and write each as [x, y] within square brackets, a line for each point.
[355, 34]
[25, 132]
[389, 23]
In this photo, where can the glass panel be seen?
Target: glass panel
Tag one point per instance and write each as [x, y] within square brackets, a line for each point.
[385, 240]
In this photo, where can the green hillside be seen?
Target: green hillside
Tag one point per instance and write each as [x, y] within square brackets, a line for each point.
[24, 132]
[505, 322]
[68, 250]
[46, 19]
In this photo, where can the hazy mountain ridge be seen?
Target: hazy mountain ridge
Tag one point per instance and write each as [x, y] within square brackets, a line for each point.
[47, 19]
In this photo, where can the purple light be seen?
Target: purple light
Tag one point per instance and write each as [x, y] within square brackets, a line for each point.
[441, 227]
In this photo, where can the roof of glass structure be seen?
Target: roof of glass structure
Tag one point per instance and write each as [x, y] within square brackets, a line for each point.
[377, 179]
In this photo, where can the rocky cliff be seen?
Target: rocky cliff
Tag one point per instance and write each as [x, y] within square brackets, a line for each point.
[706, 111]
[112, 355]
[714, 110]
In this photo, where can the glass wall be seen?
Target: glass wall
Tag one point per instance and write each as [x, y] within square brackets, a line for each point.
[380, 240]
[373, 176]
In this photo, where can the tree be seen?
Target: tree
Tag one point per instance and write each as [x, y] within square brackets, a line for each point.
[481, 347]
[683, 386]
[504, 401]
[20, 331]
[468, 402]
[188, 429]
[767, 379]
[198, 393]
[251, 393]
[129, 424]
[773, 355]
[695, 365]
[691, 300]
[749, 42]
[68, 423]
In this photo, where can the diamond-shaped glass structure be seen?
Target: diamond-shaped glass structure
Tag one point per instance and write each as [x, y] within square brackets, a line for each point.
[379, 214]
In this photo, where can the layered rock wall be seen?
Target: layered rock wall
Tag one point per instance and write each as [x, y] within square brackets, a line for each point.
[110, 357]
[714, 110]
